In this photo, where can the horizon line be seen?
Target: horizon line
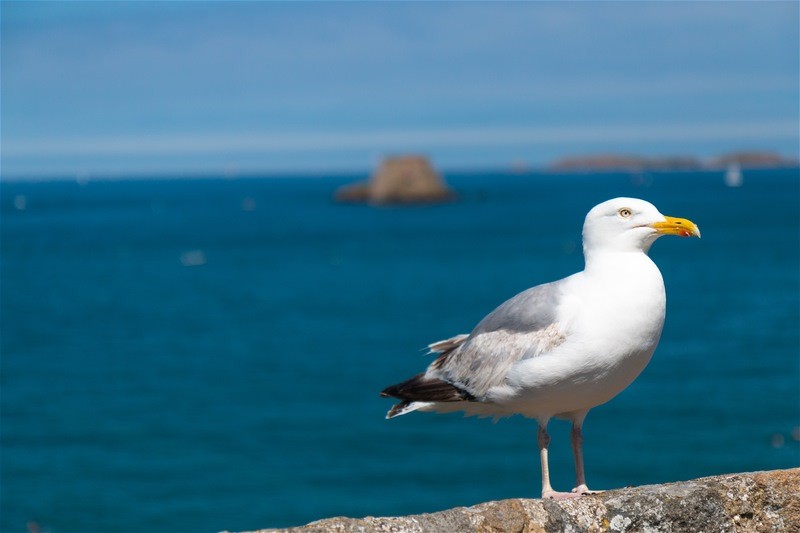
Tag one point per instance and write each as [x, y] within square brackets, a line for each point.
[394, 140]
[330, 172]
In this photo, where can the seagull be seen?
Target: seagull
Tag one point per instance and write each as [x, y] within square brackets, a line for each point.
[561, 348]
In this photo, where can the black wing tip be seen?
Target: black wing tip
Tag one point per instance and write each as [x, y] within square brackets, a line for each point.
[400, 390]
[420, 388]
[392, 391]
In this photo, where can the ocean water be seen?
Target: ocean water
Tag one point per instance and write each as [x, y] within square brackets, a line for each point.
[202, 355]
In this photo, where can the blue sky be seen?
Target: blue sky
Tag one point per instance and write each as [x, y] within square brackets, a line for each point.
[115, 88]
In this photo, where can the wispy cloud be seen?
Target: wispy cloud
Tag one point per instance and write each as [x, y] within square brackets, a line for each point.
[428, 139]
[132, 81]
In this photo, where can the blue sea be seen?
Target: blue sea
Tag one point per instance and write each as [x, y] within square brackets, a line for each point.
[206, 354]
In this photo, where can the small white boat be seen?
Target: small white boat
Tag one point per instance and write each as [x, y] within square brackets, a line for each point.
[733, 175]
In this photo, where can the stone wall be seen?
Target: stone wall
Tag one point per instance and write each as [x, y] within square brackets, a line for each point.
[759, 501]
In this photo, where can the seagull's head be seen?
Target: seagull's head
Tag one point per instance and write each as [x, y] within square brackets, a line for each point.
[629, 225]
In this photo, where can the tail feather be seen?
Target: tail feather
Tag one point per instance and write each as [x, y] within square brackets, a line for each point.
[405, 407]
[420, 391]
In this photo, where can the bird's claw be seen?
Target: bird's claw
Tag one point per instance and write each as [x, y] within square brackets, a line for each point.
[583, 490]
[555, 495]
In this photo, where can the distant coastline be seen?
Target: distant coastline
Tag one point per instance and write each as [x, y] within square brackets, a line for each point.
[588, 163]
[621, 162]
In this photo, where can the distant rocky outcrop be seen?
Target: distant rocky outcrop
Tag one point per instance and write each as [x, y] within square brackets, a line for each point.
[753, 502]
[632, 163]
[753, 159]
[399, 180]
[611, 162]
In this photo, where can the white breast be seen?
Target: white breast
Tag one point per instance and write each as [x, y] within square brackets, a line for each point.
[612, 314]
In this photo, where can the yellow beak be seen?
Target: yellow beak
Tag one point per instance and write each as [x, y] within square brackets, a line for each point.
[676, 226]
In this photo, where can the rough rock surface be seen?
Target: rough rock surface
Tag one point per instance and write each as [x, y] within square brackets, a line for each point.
[759, 501]
[406, 179]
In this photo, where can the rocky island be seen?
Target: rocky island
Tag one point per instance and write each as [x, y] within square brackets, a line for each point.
[753, 159]
[750, 502]
[612, 162]
[399, 180]
[636, 163]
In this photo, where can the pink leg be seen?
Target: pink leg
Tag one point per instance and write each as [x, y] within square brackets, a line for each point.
[547, 489]
[577, 451]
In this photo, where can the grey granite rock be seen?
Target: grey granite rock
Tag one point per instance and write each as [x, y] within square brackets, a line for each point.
[759, 501]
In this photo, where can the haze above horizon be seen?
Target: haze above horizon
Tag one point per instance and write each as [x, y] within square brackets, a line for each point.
[115, 88]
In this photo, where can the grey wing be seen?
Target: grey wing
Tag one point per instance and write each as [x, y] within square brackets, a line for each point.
[524, 326]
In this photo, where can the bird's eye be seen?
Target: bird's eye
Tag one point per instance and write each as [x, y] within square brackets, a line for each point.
[624, 212]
